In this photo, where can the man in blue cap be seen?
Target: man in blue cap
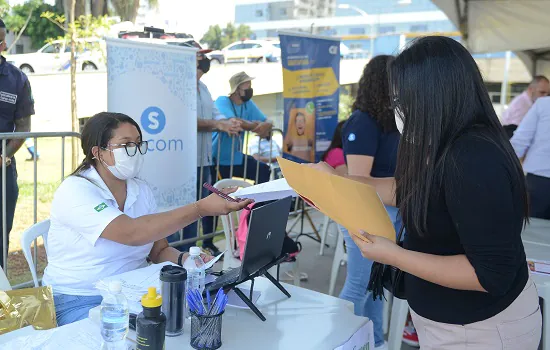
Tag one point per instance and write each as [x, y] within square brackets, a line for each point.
[16, 108]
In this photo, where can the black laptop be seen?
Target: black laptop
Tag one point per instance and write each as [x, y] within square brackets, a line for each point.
[264, 244]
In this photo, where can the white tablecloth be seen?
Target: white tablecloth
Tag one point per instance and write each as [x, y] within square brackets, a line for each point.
[308, 320]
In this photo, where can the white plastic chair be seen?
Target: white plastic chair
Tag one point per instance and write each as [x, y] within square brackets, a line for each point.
[386, 311]
[327, 223]
[229, 223]
[32, 233]
[4, 283]
[340, 255]
[399, 313]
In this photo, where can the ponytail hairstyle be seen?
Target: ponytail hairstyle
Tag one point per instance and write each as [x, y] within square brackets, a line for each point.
[97, 131]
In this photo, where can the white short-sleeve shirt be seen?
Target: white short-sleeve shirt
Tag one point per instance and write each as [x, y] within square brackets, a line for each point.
[82, 208]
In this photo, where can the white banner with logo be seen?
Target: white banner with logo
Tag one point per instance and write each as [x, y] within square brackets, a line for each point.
[156, 85]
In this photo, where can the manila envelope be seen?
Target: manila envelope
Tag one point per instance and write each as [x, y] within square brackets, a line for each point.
[352, 204]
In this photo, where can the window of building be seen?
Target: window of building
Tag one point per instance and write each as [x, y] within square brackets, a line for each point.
[355, 46]
[259, 13]
[282, 12]
[357, 31]
[386, 29]
[19, 48]
[419, 28]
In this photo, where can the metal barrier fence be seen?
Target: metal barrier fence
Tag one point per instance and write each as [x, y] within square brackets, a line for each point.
[4, 137]
[236, 146]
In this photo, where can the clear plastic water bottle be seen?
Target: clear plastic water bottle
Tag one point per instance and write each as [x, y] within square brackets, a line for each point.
[114, 318]
[195, 272]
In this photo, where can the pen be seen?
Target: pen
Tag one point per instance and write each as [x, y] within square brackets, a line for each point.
[214, 190]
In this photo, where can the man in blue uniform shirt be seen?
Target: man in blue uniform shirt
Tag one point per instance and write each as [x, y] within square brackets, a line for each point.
[16, 108]
[239, 105]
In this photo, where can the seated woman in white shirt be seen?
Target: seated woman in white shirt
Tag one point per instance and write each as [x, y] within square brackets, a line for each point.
[104, 220]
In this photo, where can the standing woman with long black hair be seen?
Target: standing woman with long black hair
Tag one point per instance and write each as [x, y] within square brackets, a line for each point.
[461, 191]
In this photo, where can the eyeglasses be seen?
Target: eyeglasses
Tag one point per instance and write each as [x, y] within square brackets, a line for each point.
[132, 147]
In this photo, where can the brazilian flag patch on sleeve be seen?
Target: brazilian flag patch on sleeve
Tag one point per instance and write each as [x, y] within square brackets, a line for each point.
[100, 207]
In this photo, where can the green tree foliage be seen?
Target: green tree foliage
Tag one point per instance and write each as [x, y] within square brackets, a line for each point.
[346, 104]
[4, 8]
[85, 27]
[217, 38]
[39, 30]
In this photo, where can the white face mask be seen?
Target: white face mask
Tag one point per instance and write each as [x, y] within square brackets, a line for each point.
[398, 122]
[125, 167]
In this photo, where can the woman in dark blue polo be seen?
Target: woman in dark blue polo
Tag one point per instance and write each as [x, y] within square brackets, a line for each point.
[370, 141]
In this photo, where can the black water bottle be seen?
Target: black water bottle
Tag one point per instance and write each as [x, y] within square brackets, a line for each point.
[151, 322]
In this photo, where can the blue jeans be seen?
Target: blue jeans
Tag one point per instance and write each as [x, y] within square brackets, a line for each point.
[72, 308]
[357, 280]
[190, 231]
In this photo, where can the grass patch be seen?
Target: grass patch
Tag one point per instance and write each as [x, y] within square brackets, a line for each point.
[48, 171]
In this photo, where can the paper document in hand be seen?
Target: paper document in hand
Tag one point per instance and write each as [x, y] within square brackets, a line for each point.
[211, 263]
[352, 204]
[268, 191]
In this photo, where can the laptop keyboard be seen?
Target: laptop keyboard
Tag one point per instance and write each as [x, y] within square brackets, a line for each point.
[227, 278]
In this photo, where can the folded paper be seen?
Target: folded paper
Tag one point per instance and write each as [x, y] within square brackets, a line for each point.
[352, 204]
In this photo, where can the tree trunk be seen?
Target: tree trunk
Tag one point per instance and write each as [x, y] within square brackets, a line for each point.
[80, 8]
[60, 5]
[74, 117]
[21, 31]
[67, 5]
[135, 11]
[126, 9]
[98, 8]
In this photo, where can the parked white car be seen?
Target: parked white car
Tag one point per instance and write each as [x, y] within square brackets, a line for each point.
[249, 50]
[55, 57]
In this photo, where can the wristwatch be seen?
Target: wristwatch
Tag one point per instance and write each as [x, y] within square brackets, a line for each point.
[180, 257]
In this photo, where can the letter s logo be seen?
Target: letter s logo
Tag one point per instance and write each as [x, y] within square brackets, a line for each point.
[153, 120]
[333, 50]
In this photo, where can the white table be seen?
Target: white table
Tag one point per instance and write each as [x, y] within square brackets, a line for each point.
[308, 320]
[536, 240]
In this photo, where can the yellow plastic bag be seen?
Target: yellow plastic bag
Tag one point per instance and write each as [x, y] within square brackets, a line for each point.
[27, 307]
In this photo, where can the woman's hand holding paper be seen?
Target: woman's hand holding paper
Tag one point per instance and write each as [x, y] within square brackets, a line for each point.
[323, 167]
[377, 248]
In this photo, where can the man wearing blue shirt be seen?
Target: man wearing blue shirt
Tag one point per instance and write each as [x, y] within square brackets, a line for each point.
[16, 108]
[240, 106]
[532, 141]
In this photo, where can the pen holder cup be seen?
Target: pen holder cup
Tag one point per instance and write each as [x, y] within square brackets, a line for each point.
[206, 331]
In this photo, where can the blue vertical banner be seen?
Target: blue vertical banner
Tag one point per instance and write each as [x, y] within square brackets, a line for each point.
[311, 89]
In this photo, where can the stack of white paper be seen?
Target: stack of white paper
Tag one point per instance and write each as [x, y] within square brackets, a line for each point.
[268, 191]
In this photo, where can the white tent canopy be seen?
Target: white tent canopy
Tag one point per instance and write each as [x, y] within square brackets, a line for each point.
[504, 25]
